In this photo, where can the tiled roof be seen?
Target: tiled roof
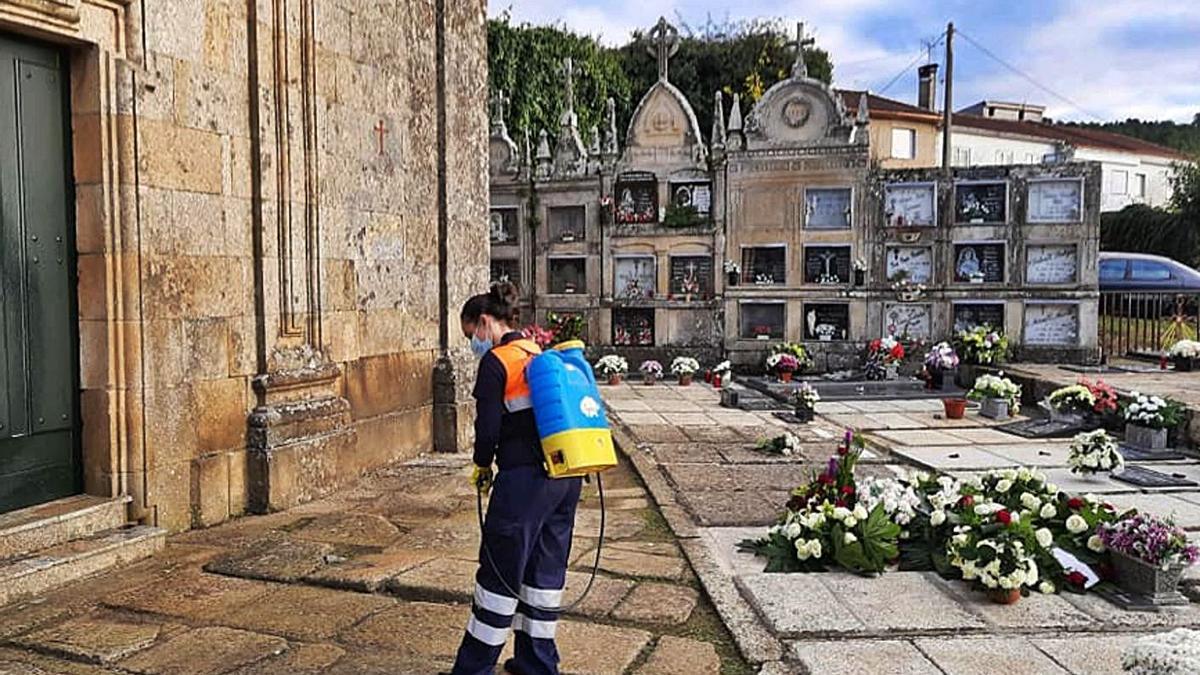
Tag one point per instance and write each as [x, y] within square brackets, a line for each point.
[881, 104]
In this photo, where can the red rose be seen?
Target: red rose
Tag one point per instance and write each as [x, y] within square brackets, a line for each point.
[876, 344]
[843, 450]
[841, 503]
[1076, 579]
[826, 479]
[967, 501]
[847, 490]
[1075, 503]
[1004, 516]
[1109, 507]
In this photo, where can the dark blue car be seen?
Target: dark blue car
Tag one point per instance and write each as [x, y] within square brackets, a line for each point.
[1145, 272]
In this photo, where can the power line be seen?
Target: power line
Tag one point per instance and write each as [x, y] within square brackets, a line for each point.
[926, 48]
[1029, 78]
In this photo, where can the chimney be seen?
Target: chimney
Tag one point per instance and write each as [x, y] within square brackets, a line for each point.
[927, 87]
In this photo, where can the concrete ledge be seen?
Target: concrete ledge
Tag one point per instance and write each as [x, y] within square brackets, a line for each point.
[59, 521]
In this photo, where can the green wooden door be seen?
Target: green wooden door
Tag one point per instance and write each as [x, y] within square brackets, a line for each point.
[38, 377]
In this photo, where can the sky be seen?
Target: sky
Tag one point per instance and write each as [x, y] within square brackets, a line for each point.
[1086, 60]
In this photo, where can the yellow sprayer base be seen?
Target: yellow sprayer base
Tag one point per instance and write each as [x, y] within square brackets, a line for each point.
[579, 452]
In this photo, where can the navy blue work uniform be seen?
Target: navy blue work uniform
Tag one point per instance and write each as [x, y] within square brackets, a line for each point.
[527, 528]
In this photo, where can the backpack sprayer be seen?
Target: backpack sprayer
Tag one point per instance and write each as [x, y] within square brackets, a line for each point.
[574, 433]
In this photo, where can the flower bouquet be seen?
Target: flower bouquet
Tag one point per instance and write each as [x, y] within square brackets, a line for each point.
[805, 399]
[1148, 419]
[1094, 452]
[795, 349]
[651, 371]
[783, 365]
[1071, 402]
[685, 368]
[612, 367]
[723, 371]
[1000, 563]
[860, 271]
[733, 273]
[883, 358]
[1184, 353]
[1000, 397]
[543, 337]
[1173, 653]
[786, 444]
[982, 345]
[1106, 397]
[940, 358]
[1149, 555]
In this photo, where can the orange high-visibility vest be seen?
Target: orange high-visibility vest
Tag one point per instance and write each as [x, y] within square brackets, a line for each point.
[514, 356]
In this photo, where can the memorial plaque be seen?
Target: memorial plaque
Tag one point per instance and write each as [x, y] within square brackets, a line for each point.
[979, 263]
[762, 321]
[764, 265]
[502, 226]
[827, 208]
[969, 315]
[829, 265]
[1056, 201]
[691, 277]
[910, 205]
[908, 321]
[568, 276]
[636, 198]
[1052, 324]
[917, 261]
[1132, 454]
[1143, 477]
[633, 326]
[1042, 428]
[634, 277]
[826, 321]
[1051, 264]
[506, 270]
[567, 223]
[980, 203]
[697, 195]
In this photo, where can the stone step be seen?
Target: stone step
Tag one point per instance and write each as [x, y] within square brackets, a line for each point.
[30, 529]
[33, 574]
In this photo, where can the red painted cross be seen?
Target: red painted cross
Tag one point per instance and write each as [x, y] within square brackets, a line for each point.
[382, 131]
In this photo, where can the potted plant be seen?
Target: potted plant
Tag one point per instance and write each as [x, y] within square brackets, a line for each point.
[613, 367]
[940, 358]
[981, 345]
[651, 371]
[722, 372]
[1107, 401]
[1148, 419]
[1093, 452]
[1071, 403]
[954, 407]
[1000, 563]
[797, 350]
[999, 396]
[1149, 555]
[685, 368]
[1173, 653]
[883, 358]
[1184, 353]
[805, 400]
[860, 272]
[733, 273]
[783, 365]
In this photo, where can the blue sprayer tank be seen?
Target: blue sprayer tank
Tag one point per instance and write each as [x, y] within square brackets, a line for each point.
[570, 415]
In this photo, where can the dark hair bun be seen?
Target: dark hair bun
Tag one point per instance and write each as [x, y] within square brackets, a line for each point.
[502, 301]
[504, 292]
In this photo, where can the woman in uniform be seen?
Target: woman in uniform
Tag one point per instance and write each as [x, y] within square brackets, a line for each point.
[527, 530]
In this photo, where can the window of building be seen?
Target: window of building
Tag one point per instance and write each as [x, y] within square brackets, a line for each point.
[904, 143]
[1148, 270]
[568, 275]
[633, 326]
[1139, 185]
[962, 156]
[1118, 182]
[567, 223]
[691, 277]
[764, 265]
[762, 321]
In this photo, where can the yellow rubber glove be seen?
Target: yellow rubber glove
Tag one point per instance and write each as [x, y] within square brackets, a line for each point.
[481, 479]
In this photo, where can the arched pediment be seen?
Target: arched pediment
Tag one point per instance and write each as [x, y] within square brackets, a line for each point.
[798, 111]
[503, 157]
[664, 119]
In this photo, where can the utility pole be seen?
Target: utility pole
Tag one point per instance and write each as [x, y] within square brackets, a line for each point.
[948, 107]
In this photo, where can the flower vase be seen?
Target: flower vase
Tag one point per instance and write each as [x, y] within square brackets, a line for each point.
[994, 408]
[1145, 437]
[649, 379]
[860, 277]
[804, 414]
[1152, 583]
[708, 377]
[716, 381]
[937, 378]
[731, 278]
[1004, 596]
[614, 379]
[685, 379]
[955, 408]
[785, 376]
[891, 371]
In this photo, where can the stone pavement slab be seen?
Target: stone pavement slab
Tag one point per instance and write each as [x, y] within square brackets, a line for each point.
[953, 458]
[688, 419]
[354, 529]
[206, 651]
[25, 662]
[94, 639]
[1185, 513]
[639, 419]
[1087, 654]
[635, 564]
[1081, 484]
[981, 436]
[1111, 616]
[988, 656]
[299, 659]
[369, 572]
[859, 421]
[712, 509]
[681, 656]
[412, 629]
[873, 406]
[922, 437]
[628, 405]
[897, 602]
[833, 408]
[595, 649]
[722, 544]
[689, 453]
[192, 594]
[659, 432]
[718, 435]
[862, 657]
[1034, 612]
[273, 558]
[795, 605]
[690, 478]
[1043, 455]
[289, 612]
[659, 603]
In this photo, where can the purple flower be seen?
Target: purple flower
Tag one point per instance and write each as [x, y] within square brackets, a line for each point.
[1152, 540]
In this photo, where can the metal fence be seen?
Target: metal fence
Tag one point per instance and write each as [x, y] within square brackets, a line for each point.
[1146, 323]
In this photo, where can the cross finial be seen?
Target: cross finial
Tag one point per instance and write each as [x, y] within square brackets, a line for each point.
[569, 71]
[499, 102]
[664, 42]
[799, 69]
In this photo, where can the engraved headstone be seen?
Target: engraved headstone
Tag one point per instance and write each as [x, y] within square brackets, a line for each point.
[691, 277]
[969, 315]
[505, 270]
[636, 198]
[1051, 264]
[827, 265]
[826, 322]
[980, 203]
[1143, 477]
[916, 261]
[762, 321]
[982, 263]
[908, 321]
[1132, 454]
[827, 208]
[634, 277]
[697, 195]
[909, 204]
[633, 326]
[502, 226]
[1051, 324]
[1056, 201]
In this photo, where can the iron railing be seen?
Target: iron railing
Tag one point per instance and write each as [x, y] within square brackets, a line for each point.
[1146, 323]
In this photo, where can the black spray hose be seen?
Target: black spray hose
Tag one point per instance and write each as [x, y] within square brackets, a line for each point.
[595, 565]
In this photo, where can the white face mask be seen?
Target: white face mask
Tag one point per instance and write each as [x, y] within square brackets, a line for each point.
[480, 346]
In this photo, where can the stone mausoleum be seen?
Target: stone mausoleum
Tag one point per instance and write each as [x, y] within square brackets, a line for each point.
[780, 225]
[228, 235]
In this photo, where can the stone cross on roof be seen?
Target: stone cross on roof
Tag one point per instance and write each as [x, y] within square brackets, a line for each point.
[499, 102]
[664, 42]
[799, 68]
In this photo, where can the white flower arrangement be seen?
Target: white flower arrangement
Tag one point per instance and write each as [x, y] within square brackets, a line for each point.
[1094, 452]
[997, 386]
[806, 395]
[684, 365]
[1072, 398]
[1185, 349]
[860, 264]
[1153, 412]
[732, 267]
[786, 444]
[998, 563]
[1173, 653]
[723, 369]
[612, 365]
[899, 500]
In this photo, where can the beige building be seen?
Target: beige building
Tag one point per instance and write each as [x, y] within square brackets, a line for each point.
[237, 221]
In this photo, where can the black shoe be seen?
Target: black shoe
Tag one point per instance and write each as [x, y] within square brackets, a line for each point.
[510, 667]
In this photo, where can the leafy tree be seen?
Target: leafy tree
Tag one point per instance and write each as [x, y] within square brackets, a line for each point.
[1173, 232]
